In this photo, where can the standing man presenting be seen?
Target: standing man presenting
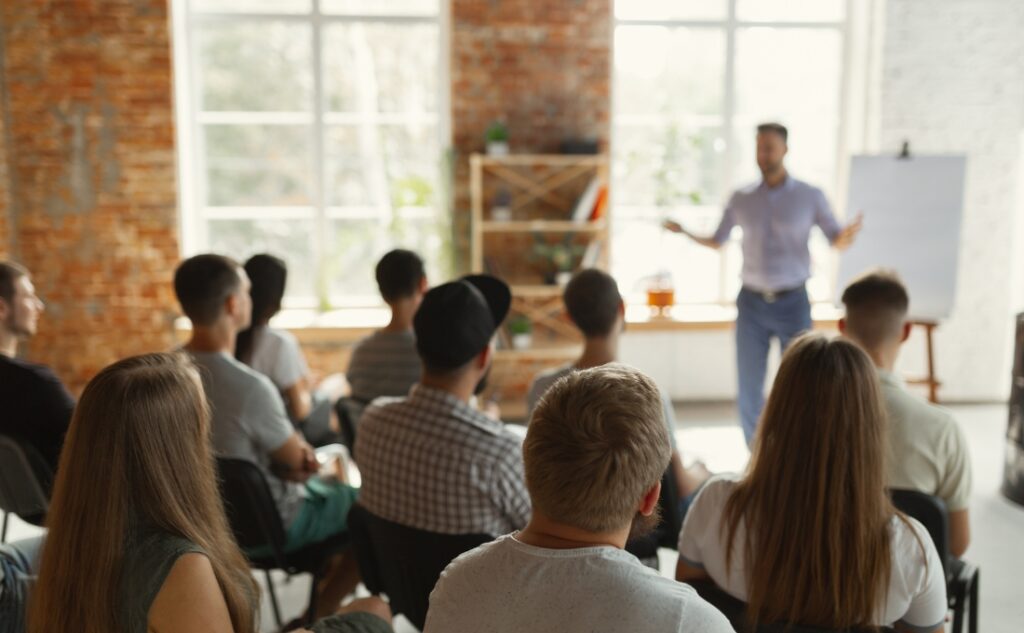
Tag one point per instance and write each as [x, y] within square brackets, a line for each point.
[776, 216]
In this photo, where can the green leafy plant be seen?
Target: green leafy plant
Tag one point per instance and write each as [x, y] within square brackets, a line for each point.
[496, 133]
[560, 257]
[520, 325]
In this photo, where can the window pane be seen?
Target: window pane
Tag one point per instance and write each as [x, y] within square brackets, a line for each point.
[385, 166]
[253, 6]
[667, 166]
[668, 72]
[791, 10]
[663, 251]
[263, 165]
[670, 9]
[289, 239]
[797, 85]
[255, 66]
[371, 68]
[354, 246]
[380, 7]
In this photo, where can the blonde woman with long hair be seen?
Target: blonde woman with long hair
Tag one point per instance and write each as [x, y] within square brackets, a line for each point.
[138, 540]
[808, 535]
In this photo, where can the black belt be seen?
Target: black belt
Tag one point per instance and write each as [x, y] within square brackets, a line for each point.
[773, 295]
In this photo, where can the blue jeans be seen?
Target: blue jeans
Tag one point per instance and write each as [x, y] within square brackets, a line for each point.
[19, 562]
[757, 322]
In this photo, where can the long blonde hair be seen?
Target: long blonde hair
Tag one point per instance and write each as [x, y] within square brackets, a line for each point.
[813, 498]
[137, 456]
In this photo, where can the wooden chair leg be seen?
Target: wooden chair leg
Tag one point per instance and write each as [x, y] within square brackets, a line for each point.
[273, 600]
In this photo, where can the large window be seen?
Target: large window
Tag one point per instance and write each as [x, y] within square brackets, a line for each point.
[692, 80]
[312, 129]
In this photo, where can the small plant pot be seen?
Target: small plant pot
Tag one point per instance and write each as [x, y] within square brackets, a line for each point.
[497, 148]
[562, 279]
[522, 341]
[501, 214]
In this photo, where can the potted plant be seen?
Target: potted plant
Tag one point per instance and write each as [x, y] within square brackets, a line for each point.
[520, 330]
[560, 258]
[501, 208]
[497, 139]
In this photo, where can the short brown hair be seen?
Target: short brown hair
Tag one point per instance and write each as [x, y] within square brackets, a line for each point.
[876, 307]
[592, 300]
[596, 443]
[203, 283]
[10, 273]
[774, 128]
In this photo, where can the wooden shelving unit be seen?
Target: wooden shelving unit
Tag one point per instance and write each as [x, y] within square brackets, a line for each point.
[541, 192]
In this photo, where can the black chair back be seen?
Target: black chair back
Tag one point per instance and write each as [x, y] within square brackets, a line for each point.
[404, 562]
[348, 410]
[250, 507]
[735, 610]
[931, 512]
[22, 482]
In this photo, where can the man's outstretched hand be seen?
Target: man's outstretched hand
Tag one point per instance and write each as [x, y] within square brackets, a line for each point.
[849, 233]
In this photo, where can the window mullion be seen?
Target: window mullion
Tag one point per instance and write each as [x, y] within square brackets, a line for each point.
[729, 132]
[317, 129]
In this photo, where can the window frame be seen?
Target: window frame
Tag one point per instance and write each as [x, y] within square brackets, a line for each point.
[192, 172]
[850, 31]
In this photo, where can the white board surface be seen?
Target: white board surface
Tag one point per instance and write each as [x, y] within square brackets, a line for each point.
[912, 213]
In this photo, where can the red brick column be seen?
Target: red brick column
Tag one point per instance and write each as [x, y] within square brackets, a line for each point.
[542, 67]
[91, 175]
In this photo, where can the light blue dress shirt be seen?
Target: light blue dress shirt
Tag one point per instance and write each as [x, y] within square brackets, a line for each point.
[776, 223]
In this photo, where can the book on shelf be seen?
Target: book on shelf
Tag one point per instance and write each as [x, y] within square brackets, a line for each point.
[600, 205]
[591, 255]
[585, 205]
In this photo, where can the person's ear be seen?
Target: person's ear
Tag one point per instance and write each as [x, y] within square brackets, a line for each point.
[5, 309]
[424, 286]
[842, 326]
[231, 305]
[483, 359]
[622, 309]
[650, 500]
[905, 334]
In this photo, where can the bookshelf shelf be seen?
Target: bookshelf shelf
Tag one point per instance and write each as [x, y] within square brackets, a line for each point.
[541, 226]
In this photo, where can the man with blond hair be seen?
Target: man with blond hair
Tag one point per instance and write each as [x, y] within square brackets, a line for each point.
[594, 455]
[928, 449]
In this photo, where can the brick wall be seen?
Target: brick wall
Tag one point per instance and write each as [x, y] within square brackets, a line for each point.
[543, 68]
[953, 82]
[91, 168]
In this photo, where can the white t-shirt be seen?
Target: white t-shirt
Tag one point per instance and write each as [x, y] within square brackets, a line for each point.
[276, 354]
[917, 587]
[509, 587]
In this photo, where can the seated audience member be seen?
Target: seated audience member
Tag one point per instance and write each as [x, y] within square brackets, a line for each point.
[18, 564]
[138, 538]
[386, 363]
[37, 407]
[249, 420]
[928, 451]
[594, 454]
[276, 353]
[431, 460]
[808, 535]
[595, 306]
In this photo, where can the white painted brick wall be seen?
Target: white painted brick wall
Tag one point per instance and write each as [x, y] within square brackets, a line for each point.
[953, 82]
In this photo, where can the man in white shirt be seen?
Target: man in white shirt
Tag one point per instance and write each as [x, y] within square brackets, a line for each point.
[928, 449]
[594, 455]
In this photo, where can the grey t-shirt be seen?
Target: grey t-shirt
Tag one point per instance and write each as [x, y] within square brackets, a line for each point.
[507, 586]
[546, 379]
[384, 364]
[249, 421]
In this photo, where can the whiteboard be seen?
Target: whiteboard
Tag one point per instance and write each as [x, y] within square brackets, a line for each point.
[912, 213]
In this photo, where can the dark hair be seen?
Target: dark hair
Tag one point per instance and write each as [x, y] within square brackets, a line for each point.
[203, 283]
[399, 274]
[876, 305]
[268, 275]
[774, 128]
[592, 299]
[10, 273]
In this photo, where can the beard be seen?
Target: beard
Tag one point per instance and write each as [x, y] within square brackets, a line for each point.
[644, 525]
